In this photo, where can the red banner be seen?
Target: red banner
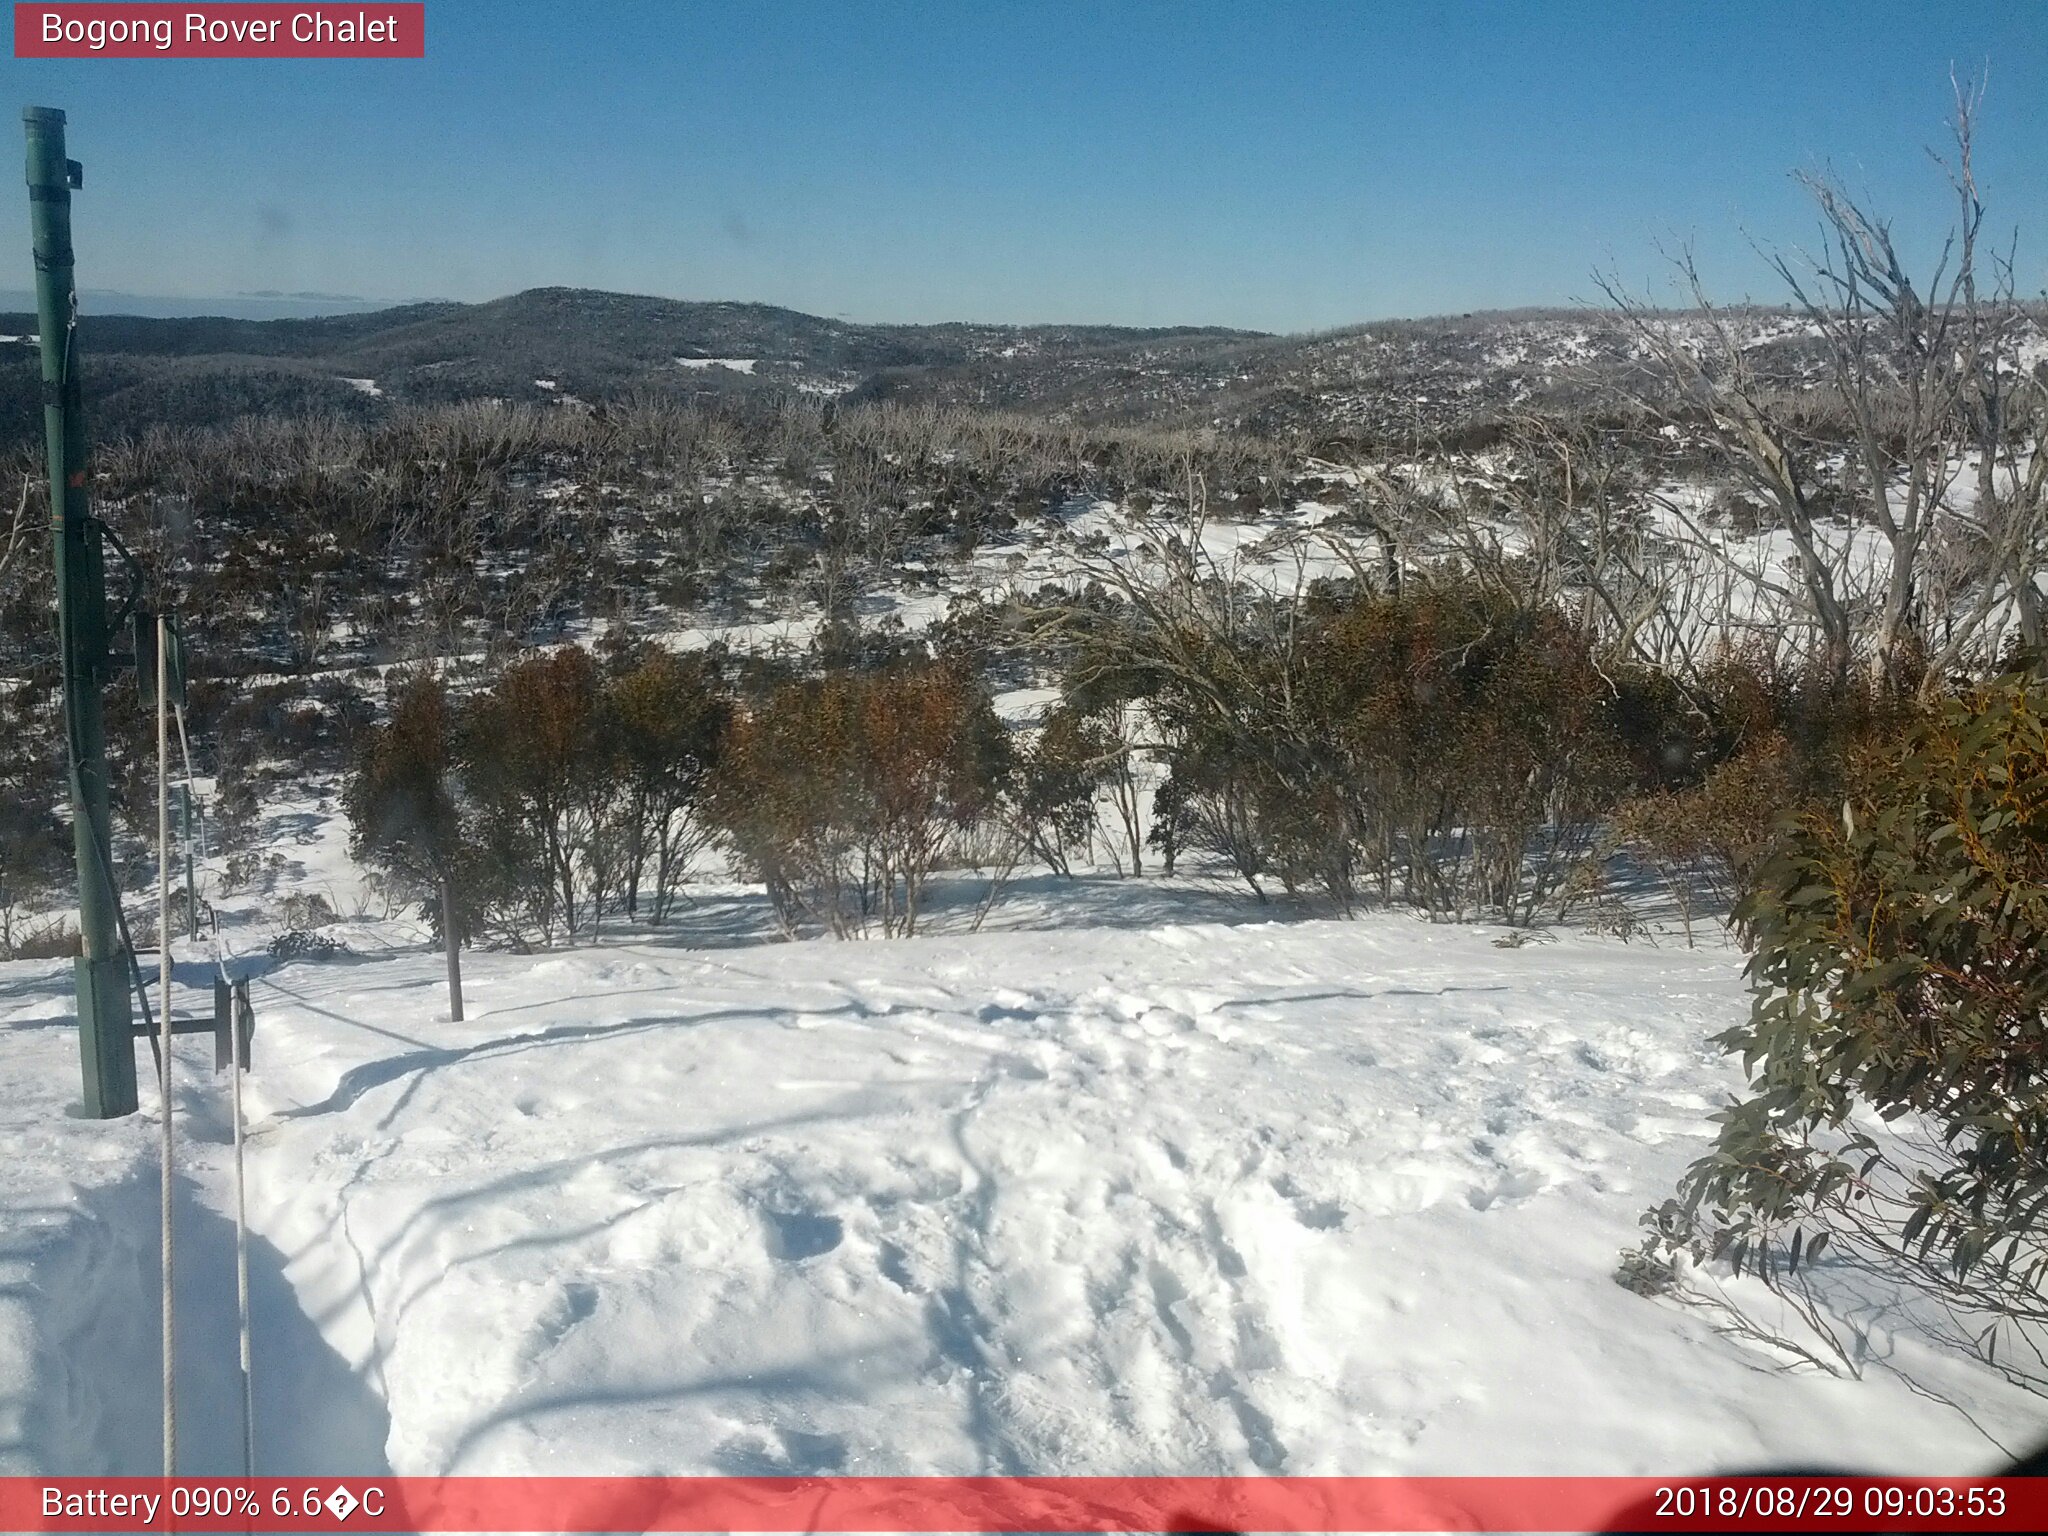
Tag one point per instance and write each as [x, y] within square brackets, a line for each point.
[97, 31]
[1048, 1504]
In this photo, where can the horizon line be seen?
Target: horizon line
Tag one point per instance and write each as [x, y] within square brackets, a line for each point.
[361, 306]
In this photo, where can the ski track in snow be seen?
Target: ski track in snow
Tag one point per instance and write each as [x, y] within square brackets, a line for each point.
[1316, 1198]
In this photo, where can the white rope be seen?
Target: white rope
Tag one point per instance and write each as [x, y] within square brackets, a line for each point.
[163, 947]
[222, 950]
[242, 1247]
[236, 1065]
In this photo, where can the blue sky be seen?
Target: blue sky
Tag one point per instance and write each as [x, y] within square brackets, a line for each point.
[1283, 166]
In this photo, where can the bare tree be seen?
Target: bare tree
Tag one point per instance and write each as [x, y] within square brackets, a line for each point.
[1919, 379]
[16, 528]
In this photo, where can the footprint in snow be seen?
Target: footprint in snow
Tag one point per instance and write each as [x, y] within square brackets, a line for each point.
[1164, 1023]
[1005, 1004]
[1509, 1188]
[894, 1264]
[571, 1305]
[1319, 1215]
[545, 1106]
[794, 1236]
[1316, 1215]
[781, 1453]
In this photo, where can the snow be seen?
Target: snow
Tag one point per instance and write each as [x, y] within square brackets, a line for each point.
[366, 386]
[736, 364]
[1133, 1181]
[1118, 1187]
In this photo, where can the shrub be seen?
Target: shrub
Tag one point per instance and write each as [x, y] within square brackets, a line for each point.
[249, 869]
[1545, 758]
[841, 792]
[1771, 740]
[1899, 972]
[51, 938]
[304, 911]
[404, 816]
[537, 757]
[1058, 778]
[666, 723]
[305, 944]
[547, 800]
[1443, 742]
[34, 849]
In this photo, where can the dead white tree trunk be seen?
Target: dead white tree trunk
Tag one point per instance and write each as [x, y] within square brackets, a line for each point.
[16, 529]
[1917, 377]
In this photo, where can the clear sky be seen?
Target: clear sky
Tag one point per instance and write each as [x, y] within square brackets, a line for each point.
[1270, 164]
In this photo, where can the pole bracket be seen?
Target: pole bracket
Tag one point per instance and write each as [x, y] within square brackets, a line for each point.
[231, 1012]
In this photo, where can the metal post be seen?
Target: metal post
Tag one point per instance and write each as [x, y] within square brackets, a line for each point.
[451, 945]
[105, 1037]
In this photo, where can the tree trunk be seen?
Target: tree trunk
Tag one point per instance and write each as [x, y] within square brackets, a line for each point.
[451, 942]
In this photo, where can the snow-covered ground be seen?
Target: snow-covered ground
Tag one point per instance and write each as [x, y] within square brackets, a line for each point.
[1133, 1183]
[1140, 1179]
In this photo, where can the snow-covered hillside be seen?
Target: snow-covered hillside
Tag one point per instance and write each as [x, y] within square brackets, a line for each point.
[1140, 1192]
[1134, 1180]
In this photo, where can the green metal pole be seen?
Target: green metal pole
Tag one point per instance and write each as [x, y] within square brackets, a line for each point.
[106, 1039]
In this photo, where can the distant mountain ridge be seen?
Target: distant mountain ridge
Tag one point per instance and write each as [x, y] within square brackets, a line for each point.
[540, 344]
[560, 345]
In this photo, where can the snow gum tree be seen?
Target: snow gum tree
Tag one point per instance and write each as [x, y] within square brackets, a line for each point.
[666, 721]
[404, 814]
[536, 754]
[1058, 780]
[843, 792]
[1922, 426]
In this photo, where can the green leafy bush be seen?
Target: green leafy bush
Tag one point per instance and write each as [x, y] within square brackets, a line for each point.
[1770, 737]
[1898, 1046]
[665, 718]
[1059, 777]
